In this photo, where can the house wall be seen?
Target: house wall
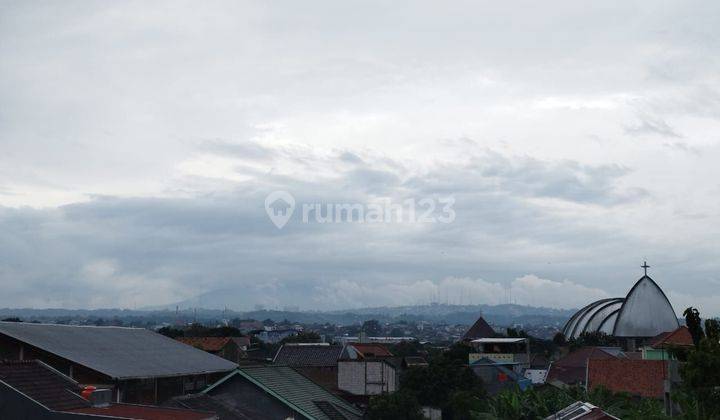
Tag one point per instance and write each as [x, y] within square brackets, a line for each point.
[325, 376]
[537, 376]
[655, 354]
[231, 351]
[366, 377]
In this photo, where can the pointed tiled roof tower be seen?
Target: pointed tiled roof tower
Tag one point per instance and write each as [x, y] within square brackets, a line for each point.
[480, 329]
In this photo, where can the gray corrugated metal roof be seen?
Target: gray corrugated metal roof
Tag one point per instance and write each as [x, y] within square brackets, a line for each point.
[293, 389]
[119, 353]
[646, 312]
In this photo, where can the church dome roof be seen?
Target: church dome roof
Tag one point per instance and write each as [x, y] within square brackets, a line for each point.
[644, 312]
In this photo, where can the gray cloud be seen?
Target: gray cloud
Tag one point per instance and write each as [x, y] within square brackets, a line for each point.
[648, 125]
[137, 144]
[113, 251]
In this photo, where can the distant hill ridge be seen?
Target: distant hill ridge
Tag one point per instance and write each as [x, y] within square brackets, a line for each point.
[452, 314]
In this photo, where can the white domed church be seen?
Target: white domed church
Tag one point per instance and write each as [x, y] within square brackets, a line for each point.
[645, 312]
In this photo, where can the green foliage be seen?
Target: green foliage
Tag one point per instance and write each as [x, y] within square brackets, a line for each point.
[712, 329]
[514, 333]
[303, 337]
[398, 406]
[514, 404]
[445, 383]
[407, 348]
[199, 330]
[594, 338]
[694, 324]
[699, 397]
[372, 328]
[171, 332]
[701, 378]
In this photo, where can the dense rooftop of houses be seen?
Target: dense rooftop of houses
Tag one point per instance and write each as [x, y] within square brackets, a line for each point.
[264, 369]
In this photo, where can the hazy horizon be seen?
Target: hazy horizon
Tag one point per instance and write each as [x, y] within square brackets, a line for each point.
[139, 142]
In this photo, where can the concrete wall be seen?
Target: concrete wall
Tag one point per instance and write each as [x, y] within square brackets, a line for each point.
[366, 377]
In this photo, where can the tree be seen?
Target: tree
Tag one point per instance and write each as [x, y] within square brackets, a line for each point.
[406, 348]
[303, 337]
[701, 371]
[694, 324]
[171, 332]
[712, 329]
[594, 338]
[397, 406]
[12, 319]
[446, 374]
[372, 327]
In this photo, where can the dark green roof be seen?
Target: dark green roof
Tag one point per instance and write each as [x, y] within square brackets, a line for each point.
[296, 391]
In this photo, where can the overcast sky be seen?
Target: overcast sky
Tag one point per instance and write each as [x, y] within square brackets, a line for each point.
[138, 142]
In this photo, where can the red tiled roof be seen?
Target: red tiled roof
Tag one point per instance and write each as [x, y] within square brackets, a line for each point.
[371, 350]
[205, 343]
[241, 341]
[679, 337]
[571, 369]
[637, 377]
[145, 412]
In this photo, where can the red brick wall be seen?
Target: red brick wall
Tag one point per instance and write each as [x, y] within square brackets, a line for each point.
[637, 377]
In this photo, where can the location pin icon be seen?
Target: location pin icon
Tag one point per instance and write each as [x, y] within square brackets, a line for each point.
[279, 206]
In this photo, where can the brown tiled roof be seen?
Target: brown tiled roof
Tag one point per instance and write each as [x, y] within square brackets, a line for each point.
[371, 350]
[307, 355]
[42, 384]
[146, 412]
[241, 341]
[211, 344]
[571, 369]
[679, 337]
[637, 377]
[480, 329]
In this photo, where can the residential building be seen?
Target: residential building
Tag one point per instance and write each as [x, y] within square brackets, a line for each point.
[581, 411]
[376, 340]
[368, 369]
[278, 392]
[355, 351]
[275, 336]
[137, 365]
[317, 361]
[642, 378]
[657, 348]
[513, 353]
[571, 369]
[498, 376]
[226, 347]
[367, 376]
[31, 389]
